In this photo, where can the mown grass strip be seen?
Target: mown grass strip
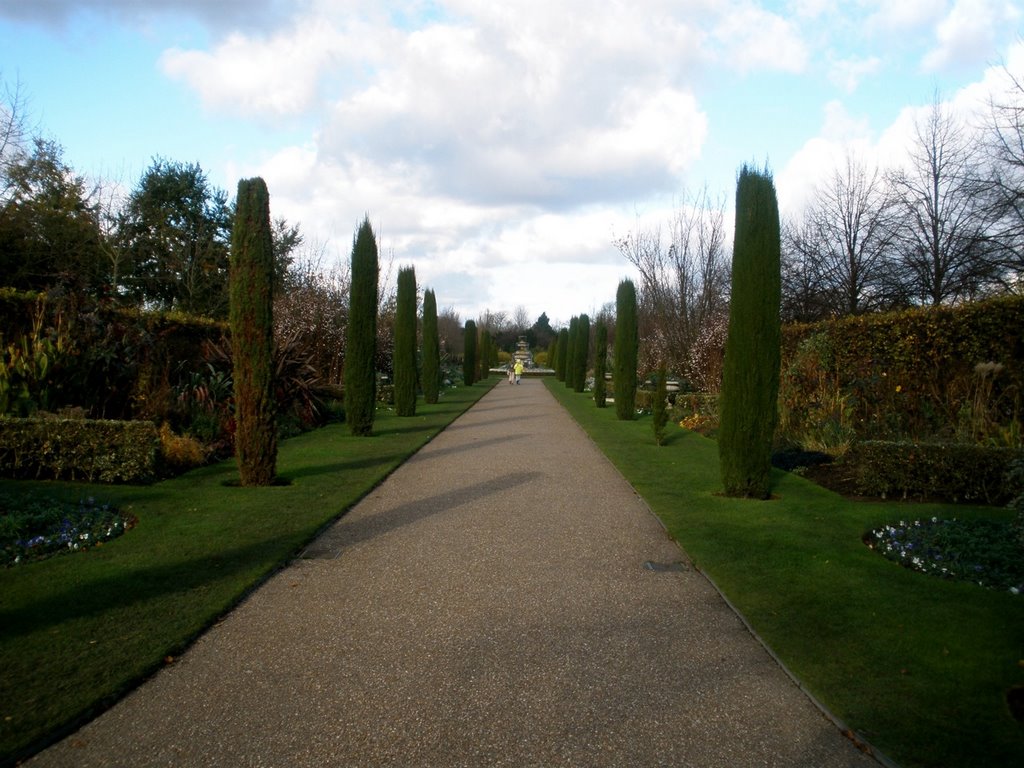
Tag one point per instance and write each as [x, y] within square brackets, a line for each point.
[78, 631]
[920, 667]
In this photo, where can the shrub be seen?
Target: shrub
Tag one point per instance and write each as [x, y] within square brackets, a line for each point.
[77, 449]
[659, 406]
[750, 377]
[179, 453]
[948, 471]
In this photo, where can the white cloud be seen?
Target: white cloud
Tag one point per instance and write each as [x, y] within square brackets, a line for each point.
[754, 39]
[848, 73]
[903, 16]
[968, 33]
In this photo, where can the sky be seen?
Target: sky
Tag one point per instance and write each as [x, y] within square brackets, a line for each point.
[500, 148]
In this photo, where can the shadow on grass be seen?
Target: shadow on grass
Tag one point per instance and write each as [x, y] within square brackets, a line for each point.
[340, 466]
[116, 591]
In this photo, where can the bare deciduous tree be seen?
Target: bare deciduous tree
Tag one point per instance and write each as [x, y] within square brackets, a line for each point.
[1004, 148]
[943, 237]
[837, 256]
[684, 287]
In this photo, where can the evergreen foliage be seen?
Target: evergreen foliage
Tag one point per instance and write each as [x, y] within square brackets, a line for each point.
[361, 335]
[252, 334]
[563, 352]
[600, 364]
[570, 354]
[431, 349]
[750, 376]
[404, 364]
[469, 347]
[659, 408]
[627, 344]
[486, 354]
[581, 352]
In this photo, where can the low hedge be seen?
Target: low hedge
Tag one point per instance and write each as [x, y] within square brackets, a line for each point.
[79, 449]
[941, 471]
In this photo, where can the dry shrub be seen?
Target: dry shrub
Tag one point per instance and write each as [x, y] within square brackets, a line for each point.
[180, 452]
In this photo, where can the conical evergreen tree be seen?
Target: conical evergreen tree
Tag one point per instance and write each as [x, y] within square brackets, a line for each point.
[748, 408]
[600, 364]
[469, 349]
[431, 349]
[404, 363]
[252, 334]
[361, 334]
[563, 353]
[582, 353]
[486, 352]
[570, 354]
[627, 343]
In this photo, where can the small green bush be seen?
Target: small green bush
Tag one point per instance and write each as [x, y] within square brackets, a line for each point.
[949, 471]
[78, 449]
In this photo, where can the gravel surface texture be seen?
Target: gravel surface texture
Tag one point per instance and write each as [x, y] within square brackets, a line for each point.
[487, 605]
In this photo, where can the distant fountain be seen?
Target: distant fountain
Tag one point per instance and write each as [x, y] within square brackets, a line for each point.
[523, 353]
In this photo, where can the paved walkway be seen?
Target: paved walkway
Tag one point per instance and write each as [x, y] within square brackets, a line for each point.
[488, 605]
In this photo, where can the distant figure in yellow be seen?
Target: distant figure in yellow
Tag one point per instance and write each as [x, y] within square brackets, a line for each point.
[519, 370]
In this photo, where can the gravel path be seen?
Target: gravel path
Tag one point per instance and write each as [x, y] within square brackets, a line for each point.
[488, 605]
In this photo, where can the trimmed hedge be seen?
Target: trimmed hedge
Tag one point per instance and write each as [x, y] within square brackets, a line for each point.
[949, 471]
[919, 373]
[79, 449]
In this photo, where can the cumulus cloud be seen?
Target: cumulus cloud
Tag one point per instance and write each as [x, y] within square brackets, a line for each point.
[755, 39]
[968, 33]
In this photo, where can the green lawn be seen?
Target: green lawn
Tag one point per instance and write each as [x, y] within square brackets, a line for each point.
[78, 631]
[917, 665]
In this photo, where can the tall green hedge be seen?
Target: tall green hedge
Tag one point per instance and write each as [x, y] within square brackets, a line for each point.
[469, 347]
[627, 346]
[935, 372]
[581, 353]
[404, 363]
[431, 349]
[486, 353]
[252, 334]
[361, 334]
[600, 364]
[750, 377]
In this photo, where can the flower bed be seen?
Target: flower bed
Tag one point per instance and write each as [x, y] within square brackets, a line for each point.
[984, 552]
[34, 529]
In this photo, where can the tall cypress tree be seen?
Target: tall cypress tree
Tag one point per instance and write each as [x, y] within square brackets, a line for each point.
[431, 349]
[563, 353]
[361, 334]
[570, 354]
[627, 344]
[748, 406]
[486, 352]
[252, 334]
[469, 354]
[404, 363]
[600, 364]
[582, 352]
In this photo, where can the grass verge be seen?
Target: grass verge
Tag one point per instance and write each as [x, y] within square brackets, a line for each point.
[919, 666]
[79, 631]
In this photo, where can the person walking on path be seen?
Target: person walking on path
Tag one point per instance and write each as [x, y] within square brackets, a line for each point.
[519, 370]
[430, 627]
[511, 373]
